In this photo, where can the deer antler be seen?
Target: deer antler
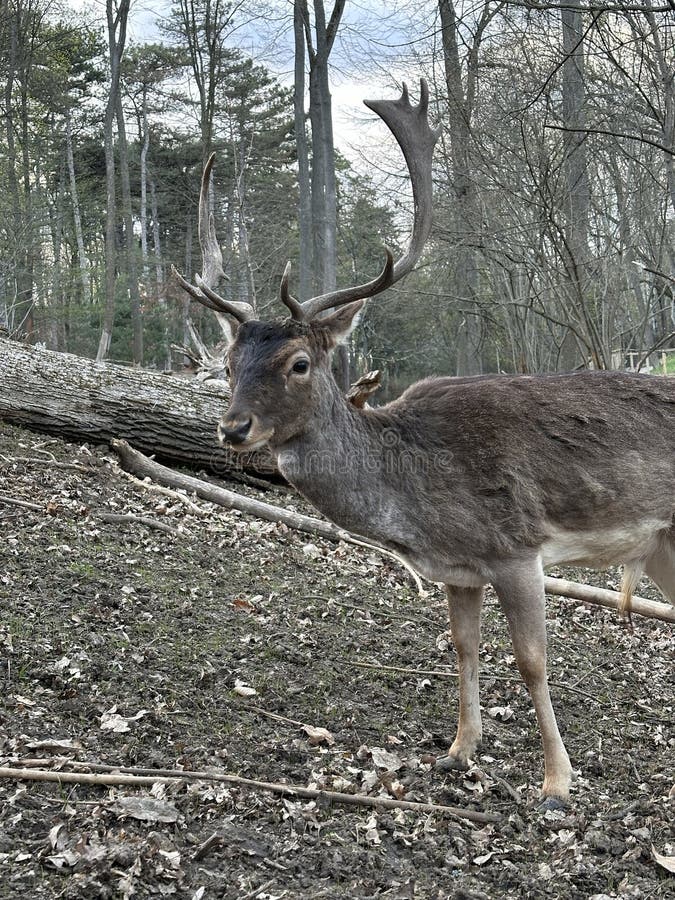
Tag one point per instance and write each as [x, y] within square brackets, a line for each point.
[212, 261]
[410, 126]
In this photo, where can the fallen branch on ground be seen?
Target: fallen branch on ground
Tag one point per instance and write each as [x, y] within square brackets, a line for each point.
[23, 504]
[132, 777]
[444, 674]
[139, 464]
[652, 609]
[131, 519]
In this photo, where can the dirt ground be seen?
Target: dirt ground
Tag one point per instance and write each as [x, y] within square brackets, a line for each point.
[124, 645]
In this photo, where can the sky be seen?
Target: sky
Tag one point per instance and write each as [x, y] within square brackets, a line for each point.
[372, 40]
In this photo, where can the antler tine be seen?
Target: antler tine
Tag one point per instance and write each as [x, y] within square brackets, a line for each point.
[212, 255]
[311, 308]
[410, 126]
[286, 297]
[212, 261]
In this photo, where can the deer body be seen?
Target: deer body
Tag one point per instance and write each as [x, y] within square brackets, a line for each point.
[474, 481]
[440, 474]
[481, 481]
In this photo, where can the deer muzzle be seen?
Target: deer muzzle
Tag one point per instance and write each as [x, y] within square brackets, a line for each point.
[243, 432]
[235, 431]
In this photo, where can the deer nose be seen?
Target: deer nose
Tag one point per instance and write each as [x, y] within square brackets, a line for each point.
[234, 431]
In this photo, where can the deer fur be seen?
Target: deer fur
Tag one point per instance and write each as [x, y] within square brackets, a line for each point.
[474, 481]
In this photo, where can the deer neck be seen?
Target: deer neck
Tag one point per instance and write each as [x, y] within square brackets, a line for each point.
[342, 463]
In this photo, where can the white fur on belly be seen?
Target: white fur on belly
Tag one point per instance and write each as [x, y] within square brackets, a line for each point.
[602, 546]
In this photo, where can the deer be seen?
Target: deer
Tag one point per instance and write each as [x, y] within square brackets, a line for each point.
[473, 481]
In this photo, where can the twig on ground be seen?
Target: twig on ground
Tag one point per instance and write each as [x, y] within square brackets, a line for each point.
[50, 463]
[382, 668]
[160, 489]
[12, 501]
[214, 841]
[510, 790]
[122, 776]
[251, 895]
[382, 611]
[139, 464]
[131, 519]
[276, 716]
[490, 675]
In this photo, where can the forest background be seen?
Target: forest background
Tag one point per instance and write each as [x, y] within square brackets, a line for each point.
[554, 235]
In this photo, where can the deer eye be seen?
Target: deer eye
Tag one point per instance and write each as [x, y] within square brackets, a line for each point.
[300, 367]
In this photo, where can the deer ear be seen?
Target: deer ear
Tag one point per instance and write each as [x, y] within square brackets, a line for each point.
[343, 321]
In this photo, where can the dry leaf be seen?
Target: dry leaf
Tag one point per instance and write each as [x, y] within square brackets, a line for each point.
[385, 759]
[244, 605]
[372, 834]
[503, 713]
[58, 836]
[318, 736]
[481, 860]
[147, 809]
[668, 862]
[111, 721]
[241, 688]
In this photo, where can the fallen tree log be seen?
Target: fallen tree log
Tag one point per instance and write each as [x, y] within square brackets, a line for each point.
[139, 465]
[78, 399]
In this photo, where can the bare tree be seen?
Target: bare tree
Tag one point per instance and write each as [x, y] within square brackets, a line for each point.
[117, 12]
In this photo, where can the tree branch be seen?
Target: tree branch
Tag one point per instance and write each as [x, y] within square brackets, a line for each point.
[113, 775]
[136, 462]
[617, 134]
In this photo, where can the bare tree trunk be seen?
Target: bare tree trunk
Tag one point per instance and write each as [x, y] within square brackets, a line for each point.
[323, 184]
[132, 275]
[79, 399]
[305, 196]
[117, 32]
[56, 300]
[466, 215]
[246, 280]
[159, 275]
[82, 257]
[323, 144]
[577, 199]
[667, 72]
[145, 146]
[156, 238]
[20, 313]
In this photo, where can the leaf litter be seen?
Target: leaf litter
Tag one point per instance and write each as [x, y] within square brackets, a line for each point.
[124, 646]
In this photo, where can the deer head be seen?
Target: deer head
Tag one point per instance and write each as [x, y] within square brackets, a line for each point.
[280, 370]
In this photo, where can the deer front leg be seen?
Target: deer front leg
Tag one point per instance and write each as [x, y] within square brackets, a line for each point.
[464, 606]
[520, 588]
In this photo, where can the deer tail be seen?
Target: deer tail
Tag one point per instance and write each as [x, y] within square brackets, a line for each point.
[631, 576]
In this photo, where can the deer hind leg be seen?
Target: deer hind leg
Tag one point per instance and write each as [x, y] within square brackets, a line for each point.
[520, 589]
[661, 566]
[464, 606]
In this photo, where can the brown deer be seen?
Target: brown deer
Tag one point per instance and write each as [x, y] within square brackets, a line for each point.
[474, 481]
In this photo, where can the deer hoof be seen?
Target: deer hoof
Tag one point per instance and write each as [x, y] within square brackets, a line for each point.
[451, 764]
[552, 804]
